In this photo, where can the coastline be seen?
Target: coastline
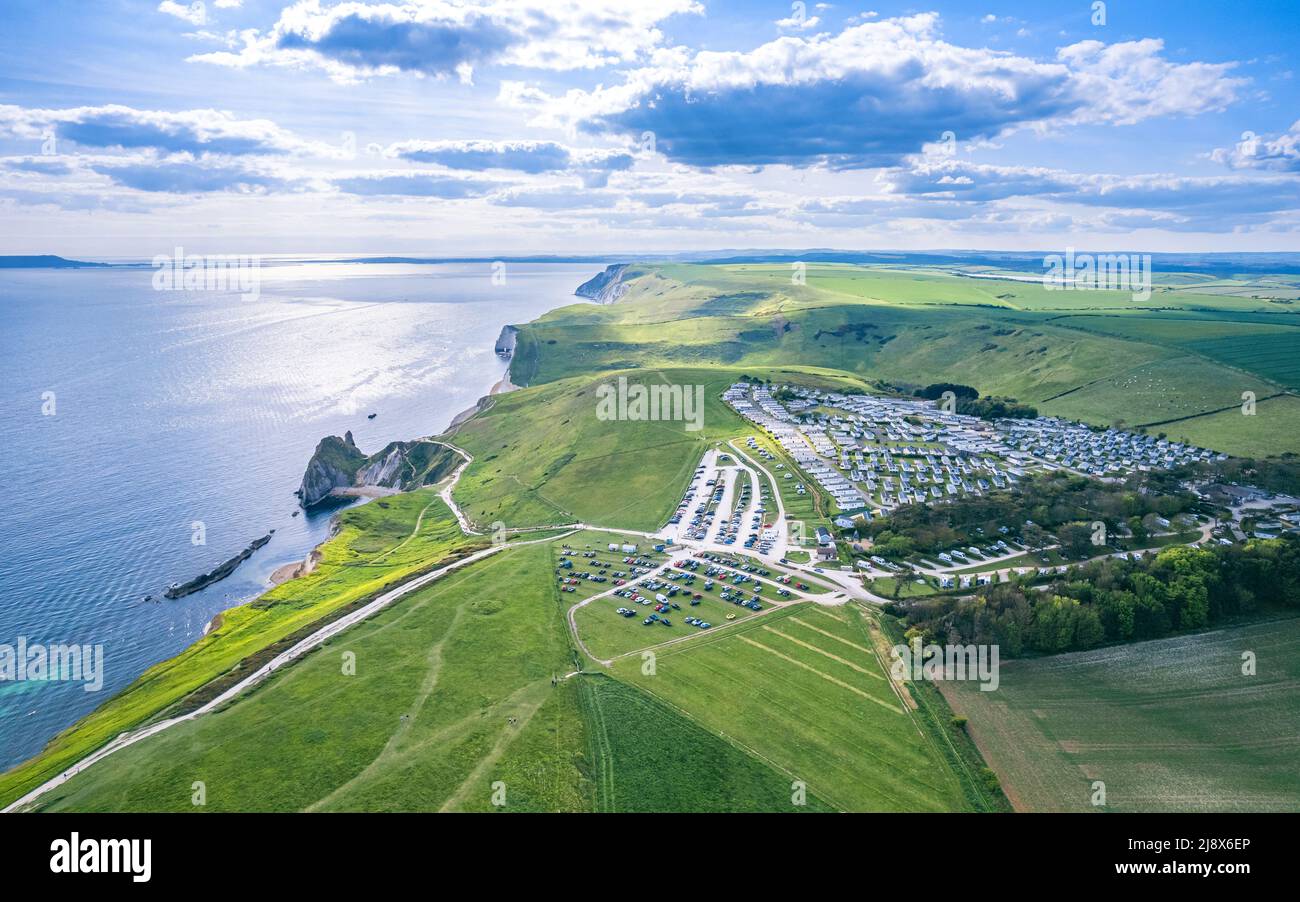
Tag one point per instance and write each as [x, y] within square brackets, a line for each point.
[281, 573]
[502, 386]
[294, 569]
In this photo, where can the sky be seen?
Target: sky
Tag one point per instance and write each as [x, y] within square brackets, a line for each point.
[501, 128]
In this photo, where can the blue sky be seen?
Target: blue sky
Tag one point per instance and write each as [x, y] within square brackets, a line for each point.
[502, 127]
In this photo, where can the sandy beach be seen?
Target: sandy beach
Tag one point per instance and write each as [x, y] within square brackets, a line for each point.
[296, 569]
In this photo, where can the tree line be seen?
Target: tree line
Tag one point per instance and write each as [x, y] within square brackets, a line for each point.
[1113, 600]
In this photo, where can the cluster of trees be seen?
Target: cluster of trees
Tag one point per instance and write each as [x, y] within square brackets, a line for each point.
[1181, 588]
[970, 403]
[935, 391]
[996, 408]
[1057, 502]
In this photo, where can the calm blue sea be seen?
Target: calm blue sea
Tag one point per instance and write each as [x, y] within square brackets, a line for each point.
[176, 407]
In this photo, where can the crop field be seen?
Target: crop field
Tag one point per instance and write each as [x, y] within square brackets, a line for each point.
[1168, 725]
[803, 690]
[452, 684]
[1266, 346]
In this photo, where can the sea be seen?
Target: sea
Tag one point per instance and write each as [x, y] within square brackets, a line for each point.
[137, 422]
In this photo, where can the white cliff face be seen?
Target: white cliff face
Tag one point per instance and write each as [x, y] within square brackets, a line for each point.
[387, 471]
[505, 345]
[606, 287]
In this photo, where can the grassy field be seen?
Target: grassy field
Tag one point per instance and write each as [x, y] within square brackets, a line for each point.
[803, 690]
[907, 587]
[429, 721]
[1169, 725]
[378, 546]
[1093, 355]
[647, 756]
[436, 717]
[542, 456]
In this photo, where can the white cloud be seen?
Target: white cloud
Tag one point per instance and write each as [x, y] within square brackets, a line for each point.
[354, 40]
[196, 13]
[798, 22]
[876, 92]
[1128, 82]
[1281, 154]
[189, 131]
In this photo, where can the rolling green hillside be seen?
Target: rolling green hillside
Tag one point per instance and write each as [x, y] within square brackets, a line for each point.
[542, 456]
[1099, 356]
[463, 698]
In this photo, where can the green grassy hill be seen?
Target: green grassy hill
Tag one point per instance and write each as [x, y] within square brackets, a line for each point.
[378, 545]
[542, 456]
[1099, 356]
[452, 701]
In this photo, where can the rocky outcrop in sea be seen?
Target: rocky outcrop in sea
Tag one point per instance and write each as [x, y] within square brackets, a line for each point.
[202, 581]
[333, 465]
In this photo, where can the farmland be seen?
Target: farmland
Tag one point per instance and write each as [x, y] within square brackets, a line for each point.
[1167, 725]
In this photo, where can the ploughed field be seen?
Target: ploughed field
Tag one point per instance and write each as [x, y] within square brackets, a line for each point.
[1167, 725]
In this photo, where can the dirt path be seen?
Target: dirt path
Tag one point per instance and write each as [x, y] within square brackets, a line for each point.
[534, 696]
